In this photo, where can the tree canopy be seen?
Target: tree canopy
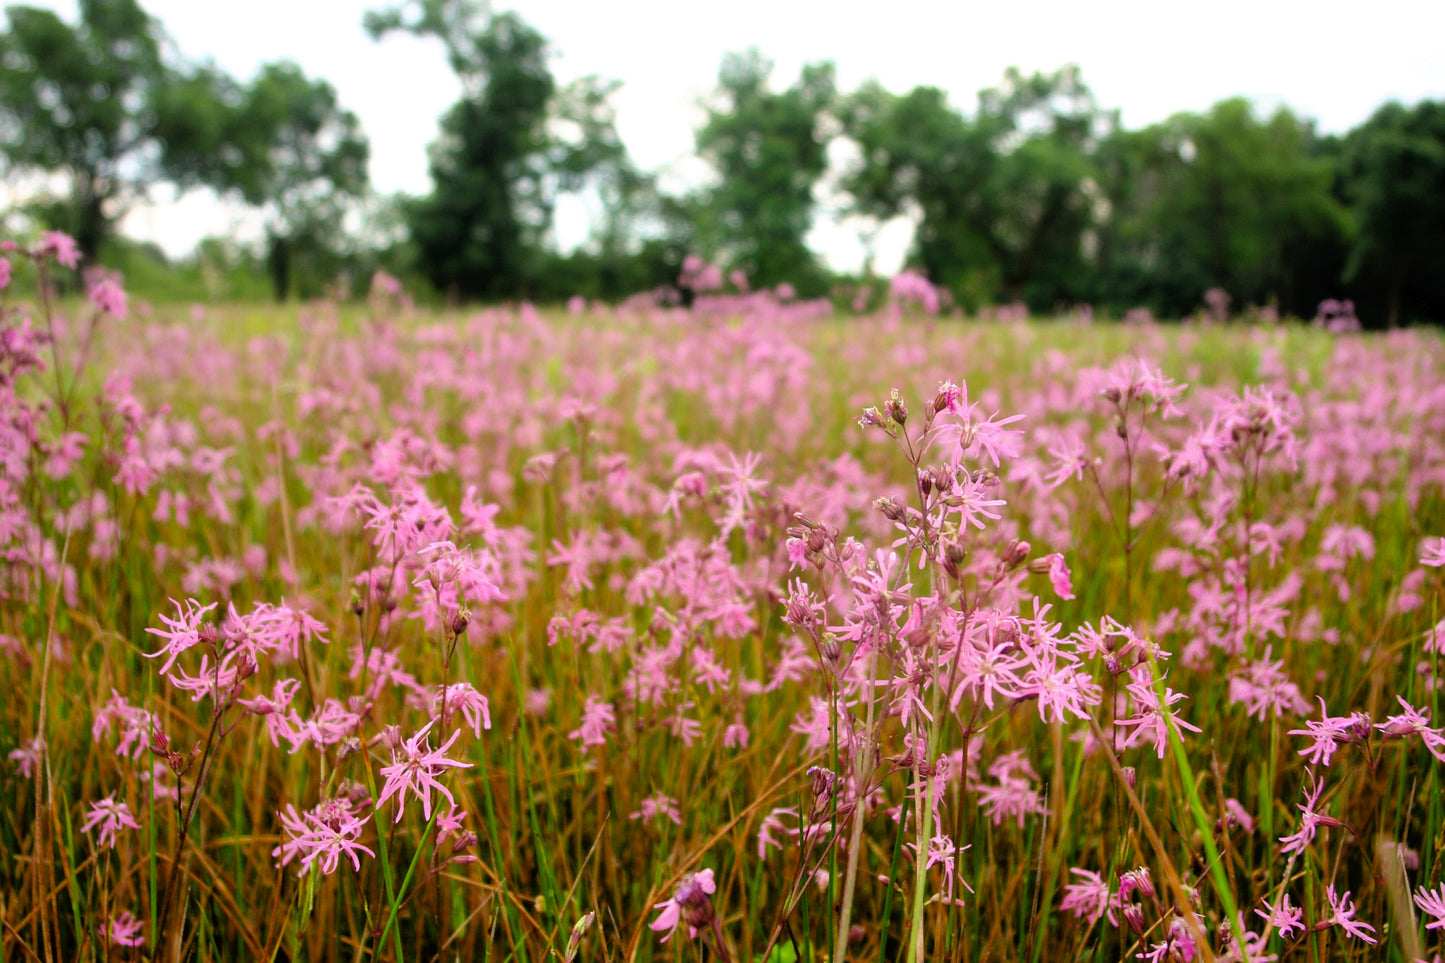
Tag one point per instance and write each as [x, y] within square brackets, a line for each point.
[768, 149]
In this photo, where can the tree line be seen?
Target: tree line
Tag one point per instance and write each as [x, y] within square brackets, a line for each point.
[1038, 194]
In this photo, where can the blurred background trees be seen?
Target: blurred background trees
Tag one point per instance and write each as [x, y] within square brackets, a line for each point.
[1034, 192]
[768, 150]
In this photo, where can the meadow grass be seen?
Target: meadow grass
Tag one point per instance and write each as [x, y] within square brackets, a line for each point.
[714, 654]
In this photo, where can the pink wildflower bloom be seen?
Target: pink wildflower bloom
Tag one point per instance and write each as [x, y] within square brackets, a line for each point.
[1179, 945]
[1070, 459]
[135, 724]
[27, 757]
[656, 806]
[690, 904]
[62, 246]
[1310, 821]
[450, 823]
[416, 769]
[107, 295]
[942, 852]
[4, 273]
[1284, 917]
[1329, 733]
[273, 709]
[598, 719]
[1088, 898]
[180, 633]
[1059, 576]
[1153, 717]
[124, 930]
[1344, 917]
[461, 697]
[1236, 815]
[972, 503]
[1263, 687]
[736, 735]
[322, 836]
[1432, 550]
[1434, 904]
[110, 817]
[1414, 722]
[772, 824]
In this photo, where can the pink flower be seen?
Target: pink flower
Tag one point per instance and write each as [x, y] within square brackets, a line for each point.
[4, 273]
[1059, 576]
[1432, 550]
[416, 769]
[690, 904]
[1153, 716]
[1414, 722]
[1329, 733]
[180, 633]
[656, 806]
[124, 930]
[598, 719]
[461, 697]
[1284, 917]
[1434, 904]
[322, 836]
[1310, 821]
[1344, 917]
[63, 246]
[1087, 898]
[110, 817]
[109, 297]
[27, 757]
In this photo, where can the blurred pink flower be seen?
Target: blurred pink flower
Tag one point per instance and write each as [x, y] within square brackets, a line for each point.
[691, 904]
[109, 817]
[125, 930]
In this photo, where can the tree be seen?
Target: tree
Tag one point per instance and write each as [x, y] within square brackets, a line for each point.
[1394, 167]
[99, 103]
[507, 148]
[1003, 199]
[1223, 200]
[768, 149]
[304, 161]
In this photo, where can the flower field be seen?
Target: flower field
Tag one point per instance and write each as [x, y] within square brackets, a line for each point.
[737, 631]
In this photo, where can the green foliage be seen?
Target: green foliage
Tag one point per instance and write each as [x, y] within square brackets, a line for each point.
[769, 150]
[305, 162]
[1004, 195]
[1394, 173]
[507, 149]
[97, 102]
[1221, 200]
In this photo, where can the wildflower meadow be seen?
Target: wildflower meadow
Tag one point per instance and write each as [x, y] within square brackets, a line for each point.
[731, 627]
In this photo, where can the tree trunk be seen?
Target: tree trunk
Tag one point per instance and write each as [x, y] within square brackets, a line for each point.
[1397, 281]
[278, 263]
[91, 225]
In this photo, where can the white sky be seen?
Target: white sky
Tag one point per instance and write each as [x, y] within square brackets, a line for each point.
[1332, 61]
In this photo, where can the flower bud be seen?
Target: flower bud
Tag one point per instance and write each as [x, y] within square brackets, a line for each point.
[895, 407]
[459, 622]
[891, 509]
[1016, 553]
[574, 941]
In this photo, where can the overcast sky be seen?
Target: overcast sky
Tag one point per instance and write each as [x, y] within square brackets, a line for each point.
[1331, 61]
